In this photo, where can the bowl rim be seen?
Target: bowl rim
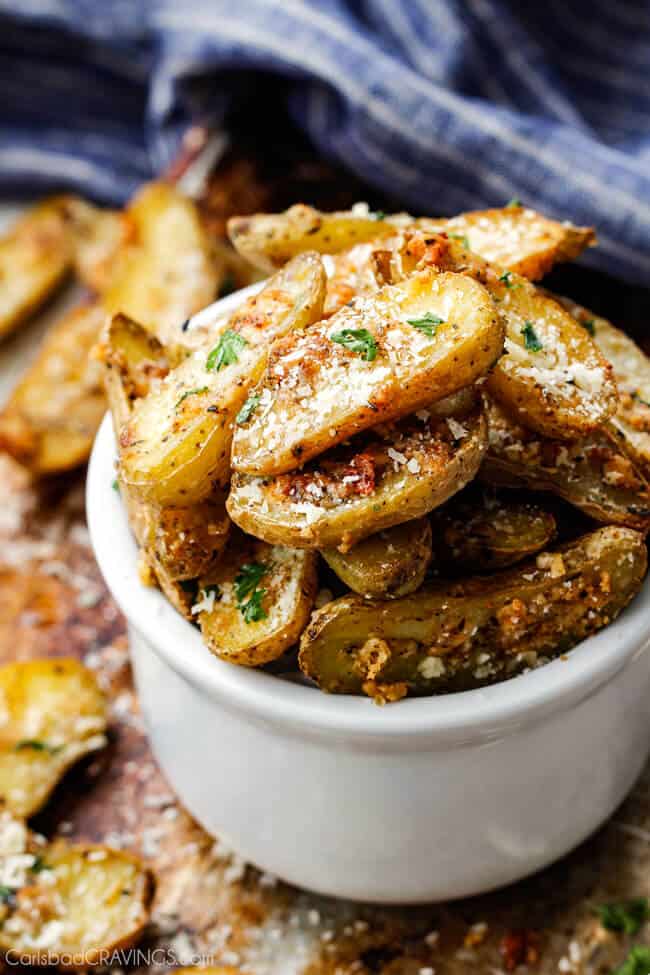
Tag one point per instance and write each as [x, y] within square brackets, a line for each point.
[477, 715]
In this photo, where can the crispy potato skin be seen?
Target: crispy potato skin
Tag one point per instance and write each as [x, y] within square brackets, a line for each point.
[480, 531]
[176, 446]
[35, 257]
[393, 474]
[316, 392]
[53, 714]
[96, 898]
[289, 588]
[594, 474]
[51, 418]
[167, 271]
[451, 636]
[632, 373]
[387, 565]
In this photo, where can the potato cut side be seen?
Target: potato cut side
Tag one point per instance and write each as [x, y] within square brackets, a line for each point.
[257, 601]
[100, 238]
[176, 447]
[594, 474]
[379, 359]
[52, 713]
[632, 374]
[453, 636]
[77, 901]
[517, 238]
[480, 530]
[35, 256]
[387, 565]
[269, 240]
[51, 418]
[167, 271]
[392, 474]
[188, 541]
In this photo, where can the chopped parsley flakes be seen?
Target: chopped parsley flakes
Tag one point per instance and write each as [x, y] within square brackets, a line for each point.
[116, 484]
[531, 340]
[358, 340]
[249, 597]
[462, 238]
[427, 323]
[590, 325]
[639, 399]
[190, 392]
[626, 916]
[226, 351]
[6, 894]
[248, 409]
[506, 278]
[514, 202]
[636, 963]
[378, 215]
[33, 744]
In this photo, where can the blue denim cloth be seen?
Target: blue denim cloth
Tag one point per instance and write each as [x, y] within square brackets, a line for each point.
[448, 104]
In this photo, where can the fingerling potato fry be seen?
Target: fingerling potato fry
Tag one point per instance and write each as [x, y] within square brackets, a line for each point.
[453, 636]
[593, 474]
[82, 901]
[100, 238]
[176, 447]
[35, 257]
[481, 531]
[376, 360]
[51, 418]
[52, 713]
[256, 602]
[167, 272]
[386, 565]
[632, 374]
[393, 473]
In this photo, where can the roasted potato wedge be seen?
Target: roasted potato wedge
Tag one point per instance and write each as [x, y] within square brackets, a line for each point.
[51, 418]
[168, 271]
[481, 531]
[513, 236]
[52, 713]
[379, 359]
[100, 238]
[593, 474]
[387, 565]
[78, 901]
[552, 375]
[269, 240]
[35, 256]
[257, 601]
[453, 636]
[176, 446]
[632, 374]
[392, 474]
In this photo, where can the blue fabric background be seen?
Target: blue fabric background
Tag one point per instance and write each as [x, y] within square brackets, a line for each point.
[448, 104]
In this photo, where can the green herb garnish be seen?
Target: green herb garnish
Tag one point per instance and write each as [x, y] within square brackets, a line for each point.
[506, 278]
[427, 323]
[246, 585]
[33, 744]
[38, 865]
[636, 963]
[590, 325]
[637, 396]
[190, 392]
[248, 409]
[531, 341]
[226, 351]
[115, 485]
[462, 238]
[626, 916]
[378, 215]
[514, 202]
[357, 340]
[5, 893]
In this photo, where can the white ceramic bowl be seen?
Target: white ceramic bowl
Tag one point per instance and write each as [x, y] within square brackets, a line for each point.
[425, 799]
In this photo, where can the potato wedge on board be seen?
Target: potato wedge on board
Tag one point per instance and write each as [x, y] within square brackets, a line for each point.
[452, 636]
[99, 238]
[392, 474]
[256, 602]
[632, 374]
[594, 474]
[78, 902]
[35, 256]
[480, 531]
[176, 447]
[52, 713]
[552, 375]
[379, 359]
[387, 565]
[51, 418]
[513, 236]
[167, 272]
